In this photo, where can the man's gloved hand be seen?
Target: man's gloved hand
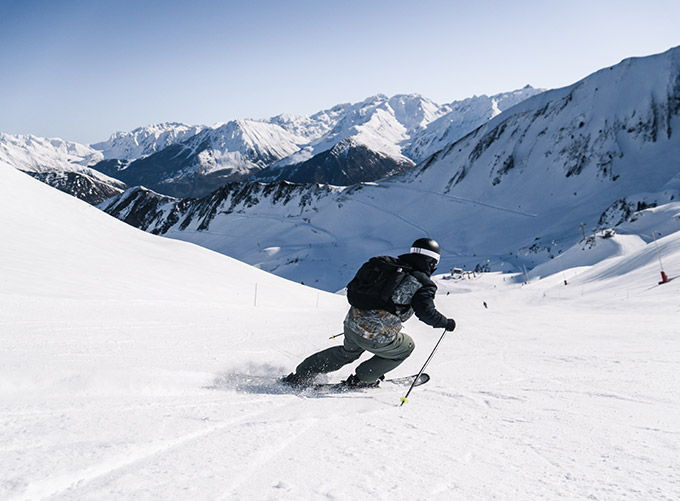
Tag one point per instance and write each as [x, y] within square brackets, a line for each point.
[450, 324]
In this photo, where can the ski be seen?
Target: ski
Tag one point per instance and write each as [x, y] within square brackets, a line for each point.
[344, 388]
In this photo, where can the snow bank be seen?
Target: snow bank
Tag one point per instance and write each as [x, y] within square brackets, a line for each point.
[59, 247]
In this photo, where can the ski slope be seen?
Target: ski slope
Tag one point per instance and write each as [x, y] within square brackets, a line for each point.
[123, 359]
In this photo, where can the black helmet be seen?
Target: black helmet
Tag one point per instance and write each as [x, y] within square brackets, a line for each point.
[429, 250]
[427, 247]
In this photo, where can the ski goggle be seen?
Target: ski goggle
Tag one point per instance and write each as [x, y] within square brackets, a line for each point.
[425, 252]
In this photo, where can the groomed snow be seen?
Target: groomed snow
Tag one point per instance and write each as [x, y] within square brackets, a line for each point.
[122, 358]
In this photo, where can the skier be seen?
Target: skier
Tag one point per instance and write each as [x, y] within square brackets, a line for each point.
[378, 331]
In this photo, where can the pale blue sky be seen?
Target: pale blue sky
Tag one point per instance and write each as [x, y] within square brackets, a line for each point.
[83, 69]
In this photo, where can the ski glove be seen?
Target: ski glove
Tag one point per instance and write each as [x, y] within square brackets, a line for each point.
[450, 324]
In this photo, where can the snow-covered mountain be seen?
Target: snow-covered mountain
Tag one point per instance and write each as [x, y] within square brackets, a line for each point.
[61, 164]
[144, 141]
[380, 136]
[464, 117]
[211, 158]
[512, 193]
[347, 162]
[348, 143]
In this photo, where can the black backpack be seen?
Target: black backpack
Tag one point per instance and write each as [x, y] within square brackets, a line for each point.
[375, 282]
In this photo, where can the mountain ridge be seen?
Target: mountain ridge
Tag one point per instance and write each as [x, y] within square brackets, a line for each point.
[62, 164]
[272, 149]
[381, 135]
[512, 193]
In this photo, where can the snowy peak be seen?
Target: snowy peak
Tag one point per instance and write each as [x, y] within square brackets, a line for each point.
[61, 164]
[383, 135]
[625, 87]
[37, 154]
[403, 113]
[461, 118]
[242, 148]
[402, 130]
[371, 123]
[258, 141]
[211, 158]
[145, 141]
[387, 124]
[414, 111]
[605, 128]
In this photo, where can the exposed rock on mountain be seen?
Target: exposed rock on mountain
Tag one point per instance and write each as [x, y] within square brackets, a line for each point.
[348, 162]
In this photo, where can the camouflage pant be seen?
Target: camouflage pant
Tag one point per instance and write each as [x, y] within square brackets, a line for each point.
[386, 356]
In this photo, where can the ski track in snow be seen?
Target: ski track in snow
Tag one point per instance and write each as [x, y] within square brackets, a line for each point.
[464, 200]
[77, 480]
[420, 229]
[519, 402]
[491, 411]
[295, 222]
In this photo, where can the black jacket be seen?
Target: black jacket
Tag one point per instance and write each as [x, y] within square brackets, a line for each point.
[423, 300]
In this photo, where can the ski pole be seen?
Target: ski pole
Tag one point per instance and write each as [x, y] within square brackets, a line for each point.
[336, 335]
[403, 399]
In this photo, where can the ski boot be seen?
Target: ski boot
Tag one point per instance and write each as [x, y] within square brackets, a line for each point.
[354, 382]
[293, 379]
